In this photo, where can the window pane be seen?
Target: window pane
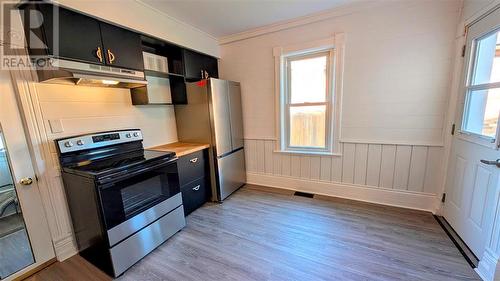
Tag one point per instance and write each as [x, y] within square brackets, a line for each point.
[482, 114]
[307, 126]
[487, 65]
[308, 80]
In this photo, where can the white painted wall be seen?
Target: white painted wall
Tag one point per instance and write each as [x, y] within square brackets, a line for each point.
[91, 109]
[135, 14]
[397, 71]
[397, 77]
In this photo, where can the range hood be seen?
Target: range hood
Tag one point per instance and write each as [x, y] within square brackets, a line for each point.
[69, 72]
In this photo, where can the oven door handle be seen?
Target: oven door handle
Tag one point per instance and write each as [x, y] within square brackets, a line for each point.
[128, 174]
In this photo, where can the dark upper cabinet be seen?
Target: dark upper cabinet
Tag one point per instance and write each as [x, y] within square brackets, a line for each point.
[196, 64]
[211, 65]
[122, 48]
[84, 38]
[193, 64]
[78, 36]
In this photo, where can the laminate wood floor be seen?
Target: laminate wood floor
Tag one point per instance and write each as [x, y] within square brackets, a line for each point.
[257, 235]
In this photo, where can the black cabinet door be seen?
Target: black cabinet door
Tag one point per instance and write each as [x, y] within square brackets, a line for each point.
[191, 167]
[194, 195]
[210, 66]
[194, 63]
[122, 48]
[78, 36]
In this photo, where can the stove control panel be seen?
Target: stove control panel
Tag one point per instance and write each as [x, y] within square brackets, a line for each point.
[97, 140]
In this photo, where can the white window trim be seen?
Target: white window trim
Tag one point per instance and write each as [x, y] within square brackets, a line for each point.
[334, 45]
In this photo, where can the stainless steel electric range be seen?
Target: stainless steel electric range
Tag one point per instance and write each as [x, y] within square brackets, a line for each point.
[124, 200]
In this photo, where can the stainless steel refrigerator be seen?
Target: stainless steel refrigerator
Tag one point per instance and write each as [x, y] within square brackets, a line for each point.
[213, 114]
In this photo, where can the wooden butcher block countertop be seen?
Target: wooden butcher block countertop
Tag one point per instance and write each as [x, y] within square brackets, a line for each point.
[181, 148]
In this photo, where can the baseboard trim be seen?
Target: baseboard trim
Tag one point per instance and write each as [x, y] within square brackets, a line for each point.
[35, 270]
[65, 248]
[382, 196]
[488, 265]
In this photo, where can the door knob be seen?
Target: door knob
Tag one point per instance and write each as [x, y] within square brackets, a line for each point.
[26, 181]
[491, 162]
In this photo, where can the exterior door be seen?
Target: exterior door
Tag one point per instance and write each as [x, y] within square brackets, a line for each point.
[25, 241]
[472, 186]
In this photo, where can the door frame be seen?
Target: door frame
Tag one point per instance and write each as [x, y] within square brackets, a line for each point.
[38, 142]
[489, 264]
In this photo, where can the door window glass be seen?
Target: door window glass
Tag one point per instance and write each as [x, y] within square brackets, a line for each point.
[482, 103]
[15, 248]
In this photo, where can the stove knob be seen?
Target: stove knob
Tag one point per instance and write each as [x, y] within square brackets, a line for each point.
[136, 134]
[128, 135]
[80, 142]
[68, 144]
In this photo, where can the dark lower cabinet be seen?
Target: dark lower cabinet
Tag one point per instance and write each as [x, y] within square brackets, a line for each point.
[194, 180]
[192, 166]
[194, 195]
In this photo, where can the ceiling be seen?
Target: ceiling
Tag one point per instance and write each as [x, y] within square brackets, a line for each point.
[221, 18]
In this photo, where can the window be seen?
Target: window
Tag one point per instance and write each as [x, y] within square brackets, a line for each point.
[482, 102]
[308, 99]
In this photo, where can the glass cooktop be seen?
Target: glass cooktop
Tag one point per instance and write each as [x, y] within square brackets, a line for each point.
[121, 161]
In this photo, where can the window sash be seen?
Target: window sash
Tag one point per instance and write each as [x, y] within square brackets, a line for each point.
[327, 103]
[465, 117]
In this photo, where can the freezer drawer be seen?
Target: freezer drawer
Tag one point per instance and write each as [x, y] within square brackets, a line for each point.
[231, 171]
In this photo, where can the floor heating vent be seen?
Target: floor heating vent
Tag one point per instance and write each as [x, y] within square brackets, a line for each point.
[303, 194]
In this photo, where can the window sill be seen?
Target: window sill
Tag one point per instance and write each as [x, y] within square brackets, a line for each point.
[308, 153]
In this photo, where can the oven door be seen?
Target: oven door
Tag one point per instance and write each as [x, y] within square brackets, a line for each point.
[128, 195]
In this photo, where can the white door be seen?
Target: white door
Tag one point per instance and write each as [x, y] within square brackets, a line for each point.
[25, 241]
[472, 179]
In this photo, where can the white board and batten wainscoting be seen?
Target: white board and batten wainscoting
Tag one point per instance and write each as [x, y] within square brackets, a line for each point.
[399, 175]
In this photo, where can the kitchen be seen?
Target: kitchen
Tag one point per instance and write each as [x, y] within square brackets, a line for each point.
[181, 63]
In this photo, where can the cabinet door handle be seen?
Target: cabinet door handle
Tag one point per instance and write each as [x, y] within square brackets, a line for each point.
[196, 188]
[99, 53]
[111, 57]
[194, 160]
